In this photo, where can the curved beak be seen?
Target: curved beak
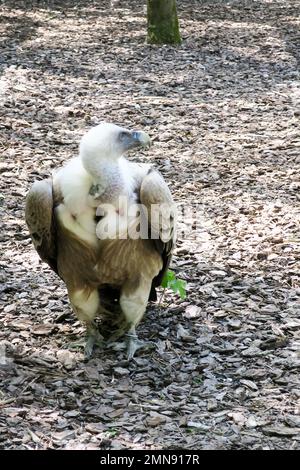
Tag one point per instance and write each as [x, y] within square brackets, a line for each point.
[140, 138]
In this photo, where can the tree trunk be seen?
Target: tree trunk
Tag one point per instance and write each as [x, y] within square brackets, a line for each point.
[163, 25]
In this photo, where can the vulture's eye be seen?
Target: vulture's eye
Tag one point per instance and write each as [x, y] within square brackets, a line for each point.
[123, 135]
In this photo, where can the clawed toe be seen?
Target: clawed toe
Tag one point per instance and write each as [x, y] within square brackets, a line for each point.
[89, 348]
[134, 343]
[95, 339]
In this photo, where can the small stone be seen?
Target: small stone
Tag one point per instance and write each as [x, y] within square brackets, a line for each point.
[121, 371]
[192, 311]
[155, 419]
[66, 358]
[251, 422]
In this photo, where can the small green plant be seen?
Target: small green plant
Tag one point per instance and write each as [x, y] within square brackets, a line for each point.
[176, 285]
[113, 432]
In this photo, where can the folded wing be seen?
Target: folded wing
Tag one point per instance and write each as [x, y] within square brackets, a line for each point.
[161, 211]
[40, 220]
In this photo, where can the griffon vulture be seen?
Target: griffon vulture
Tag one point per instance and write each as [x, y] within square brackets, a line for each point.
[70, 233]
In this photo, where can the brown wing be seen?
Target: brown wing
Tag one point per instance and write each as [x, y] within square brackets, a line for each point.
[161, 210]
[40, 220]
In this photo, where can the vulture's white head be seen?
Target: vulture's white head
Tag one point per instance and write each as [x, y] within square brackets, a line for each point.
[108, 142]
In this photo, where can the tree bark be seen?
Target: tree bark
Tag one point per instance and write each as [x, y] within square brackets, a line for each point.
[163, 27]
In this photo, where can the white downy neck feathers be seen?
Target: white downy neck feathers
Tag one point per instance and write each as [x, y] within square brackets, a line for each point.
[100, 162]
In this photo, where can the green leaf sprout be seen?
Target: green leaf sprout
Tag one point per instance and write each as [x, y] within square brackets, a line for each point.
[176, 285]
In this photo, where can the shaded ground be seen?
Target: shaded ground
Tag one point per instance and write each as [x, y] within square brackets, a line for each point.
[223, 110]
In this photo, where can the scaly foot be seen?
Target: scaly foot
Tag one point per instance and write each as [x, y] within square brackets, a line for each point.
[134, 343]
[94, 338]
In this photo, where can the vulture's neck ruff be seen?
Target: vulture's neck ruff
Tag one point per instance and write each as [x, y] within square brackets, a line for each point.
[101, 153]
[110, 184]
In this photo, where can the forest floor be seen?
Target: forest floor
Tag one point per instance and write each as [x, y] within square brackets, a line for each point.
[223, 110]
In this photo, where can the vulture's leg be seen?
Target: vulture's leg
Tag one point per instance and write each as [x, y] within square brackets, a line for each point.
[86, 305]
[134, 343]
[133, 302]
